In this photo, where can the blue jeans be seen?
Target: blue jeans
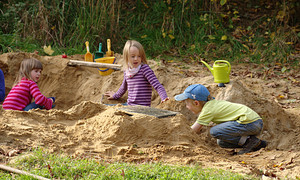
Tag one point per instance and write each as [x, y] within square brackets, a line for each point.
[35, 106]
[232, 134]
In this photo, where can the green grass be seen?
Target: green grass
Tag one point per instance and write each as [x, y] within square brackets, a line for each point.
[59, 166]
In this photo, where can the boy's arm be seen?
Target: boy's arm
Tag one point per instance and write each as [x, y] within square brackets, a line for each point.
[197, 127]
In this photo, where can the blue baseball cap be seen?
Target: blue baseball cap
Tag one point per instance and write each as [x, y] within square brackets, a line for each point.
[195, 91]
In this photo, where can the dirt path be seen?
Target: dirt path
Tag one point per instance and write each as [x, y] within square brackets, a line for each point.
[81, 126]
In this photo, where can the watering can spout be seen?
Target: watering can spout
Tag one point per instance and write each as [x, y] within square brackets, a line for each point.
[210, 68]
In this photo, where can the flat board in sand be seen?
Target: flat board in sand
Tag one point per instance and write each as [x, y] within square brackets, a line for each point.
[159, 113]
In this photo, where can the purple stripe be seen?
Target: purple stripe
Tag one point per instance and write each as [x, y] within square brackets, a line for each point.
[140, 87]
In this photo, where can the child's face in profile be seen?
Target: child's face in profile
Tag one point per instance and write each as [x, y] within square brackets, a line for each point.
[134, 57]
[35, 74]
[193, 105]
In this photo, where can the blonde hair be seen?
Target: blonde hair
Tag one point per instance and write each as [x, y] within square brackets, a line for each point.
[128, 45]
[27, 65]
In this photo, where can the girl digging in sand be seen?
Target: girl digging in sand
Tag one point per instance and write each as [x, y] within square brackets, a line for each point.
[25, 88]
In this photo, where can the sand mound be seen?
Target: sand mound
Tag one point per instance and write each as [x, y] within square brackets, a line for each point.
[81, 125]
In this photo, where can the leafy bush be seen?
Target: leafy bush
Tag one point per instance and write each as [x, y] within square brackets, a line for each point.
[257, 31]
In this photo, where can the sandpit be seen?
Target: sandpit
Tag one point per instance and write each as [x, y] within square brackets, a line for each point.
[82, 125]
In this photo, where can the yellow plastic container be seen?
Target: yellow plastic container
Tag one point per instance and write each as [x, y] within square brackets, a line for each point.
[105, 71]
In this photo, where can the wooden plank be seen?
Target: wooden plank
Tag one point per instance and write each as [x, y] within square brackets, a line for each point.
[17, 171]
[95, 64]
[159, 113]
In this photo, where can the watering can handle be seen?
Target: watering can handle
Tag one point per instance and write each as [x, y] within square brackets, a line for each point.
[223, 61]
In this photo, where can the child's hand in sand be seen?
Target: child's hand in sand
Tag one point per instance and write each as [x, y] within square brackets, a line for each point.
[165, 100]
[109, 94]
[53, 99]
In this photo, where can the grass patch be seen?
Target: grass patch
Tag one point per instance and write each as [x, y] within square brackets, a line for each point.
[59, 166]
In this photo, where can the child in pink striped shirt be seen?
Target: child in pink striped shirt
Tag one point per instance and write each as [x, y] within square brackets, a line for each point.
[25, 88]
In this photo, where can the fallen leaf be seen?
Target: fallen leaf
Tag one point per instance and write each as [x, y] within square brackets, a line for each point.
[266, 177]
[293, 79]
[272, 85]
[224, 38]
[211, 37]
[48, 50]
[283, 69]
[278, 165]
[273, 157]
[13, 152]
[286, 90]
[188, 24]
[123, 173]
[281, 96]
[246, 47]
[50, 170]
[171, 36]
[291, 161]
[2, 151]
[270, 174]
[222, 2]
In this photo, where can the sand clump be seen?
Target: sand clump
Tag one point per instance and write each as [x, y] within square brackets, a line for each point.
[82, 125]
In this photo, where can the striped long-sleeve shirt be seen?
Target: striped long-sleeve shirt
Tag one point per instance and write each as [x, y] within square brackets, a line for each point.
[21, 95]
[140, 87]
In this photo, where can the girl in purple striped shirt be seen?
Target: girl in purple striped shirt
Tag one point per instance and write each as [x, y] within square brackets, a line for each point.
[25, 88]
[139, 78]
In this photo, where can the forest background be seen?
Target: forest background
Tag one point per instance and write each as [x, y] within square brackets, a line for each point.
[248, 31]
[257, 31]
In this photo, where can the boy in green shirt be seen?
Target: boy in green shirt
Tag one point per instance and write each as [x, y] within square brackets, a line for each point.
[237, 125]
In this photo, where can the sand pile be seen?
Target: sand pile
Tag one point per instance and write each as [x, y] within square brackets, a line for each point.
[81, 126]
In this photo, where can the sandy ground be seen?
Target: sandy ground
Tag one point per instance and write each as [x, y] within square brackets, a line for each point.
[81, 126]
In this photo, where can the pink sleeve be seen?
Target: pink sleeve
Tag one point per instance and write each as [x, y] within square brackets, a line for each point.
[39, 98]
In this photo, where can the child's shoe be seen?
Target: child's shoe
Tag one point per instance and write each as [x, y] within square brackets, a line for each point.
[262, 144]
[251, 144]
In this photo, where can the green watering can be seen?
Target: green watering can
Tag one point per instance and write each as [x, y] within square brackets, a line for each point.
[220, 70]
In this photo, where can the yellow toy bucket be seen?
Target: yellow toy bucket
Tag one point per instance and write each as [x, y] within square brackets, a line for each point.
[105, 71]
